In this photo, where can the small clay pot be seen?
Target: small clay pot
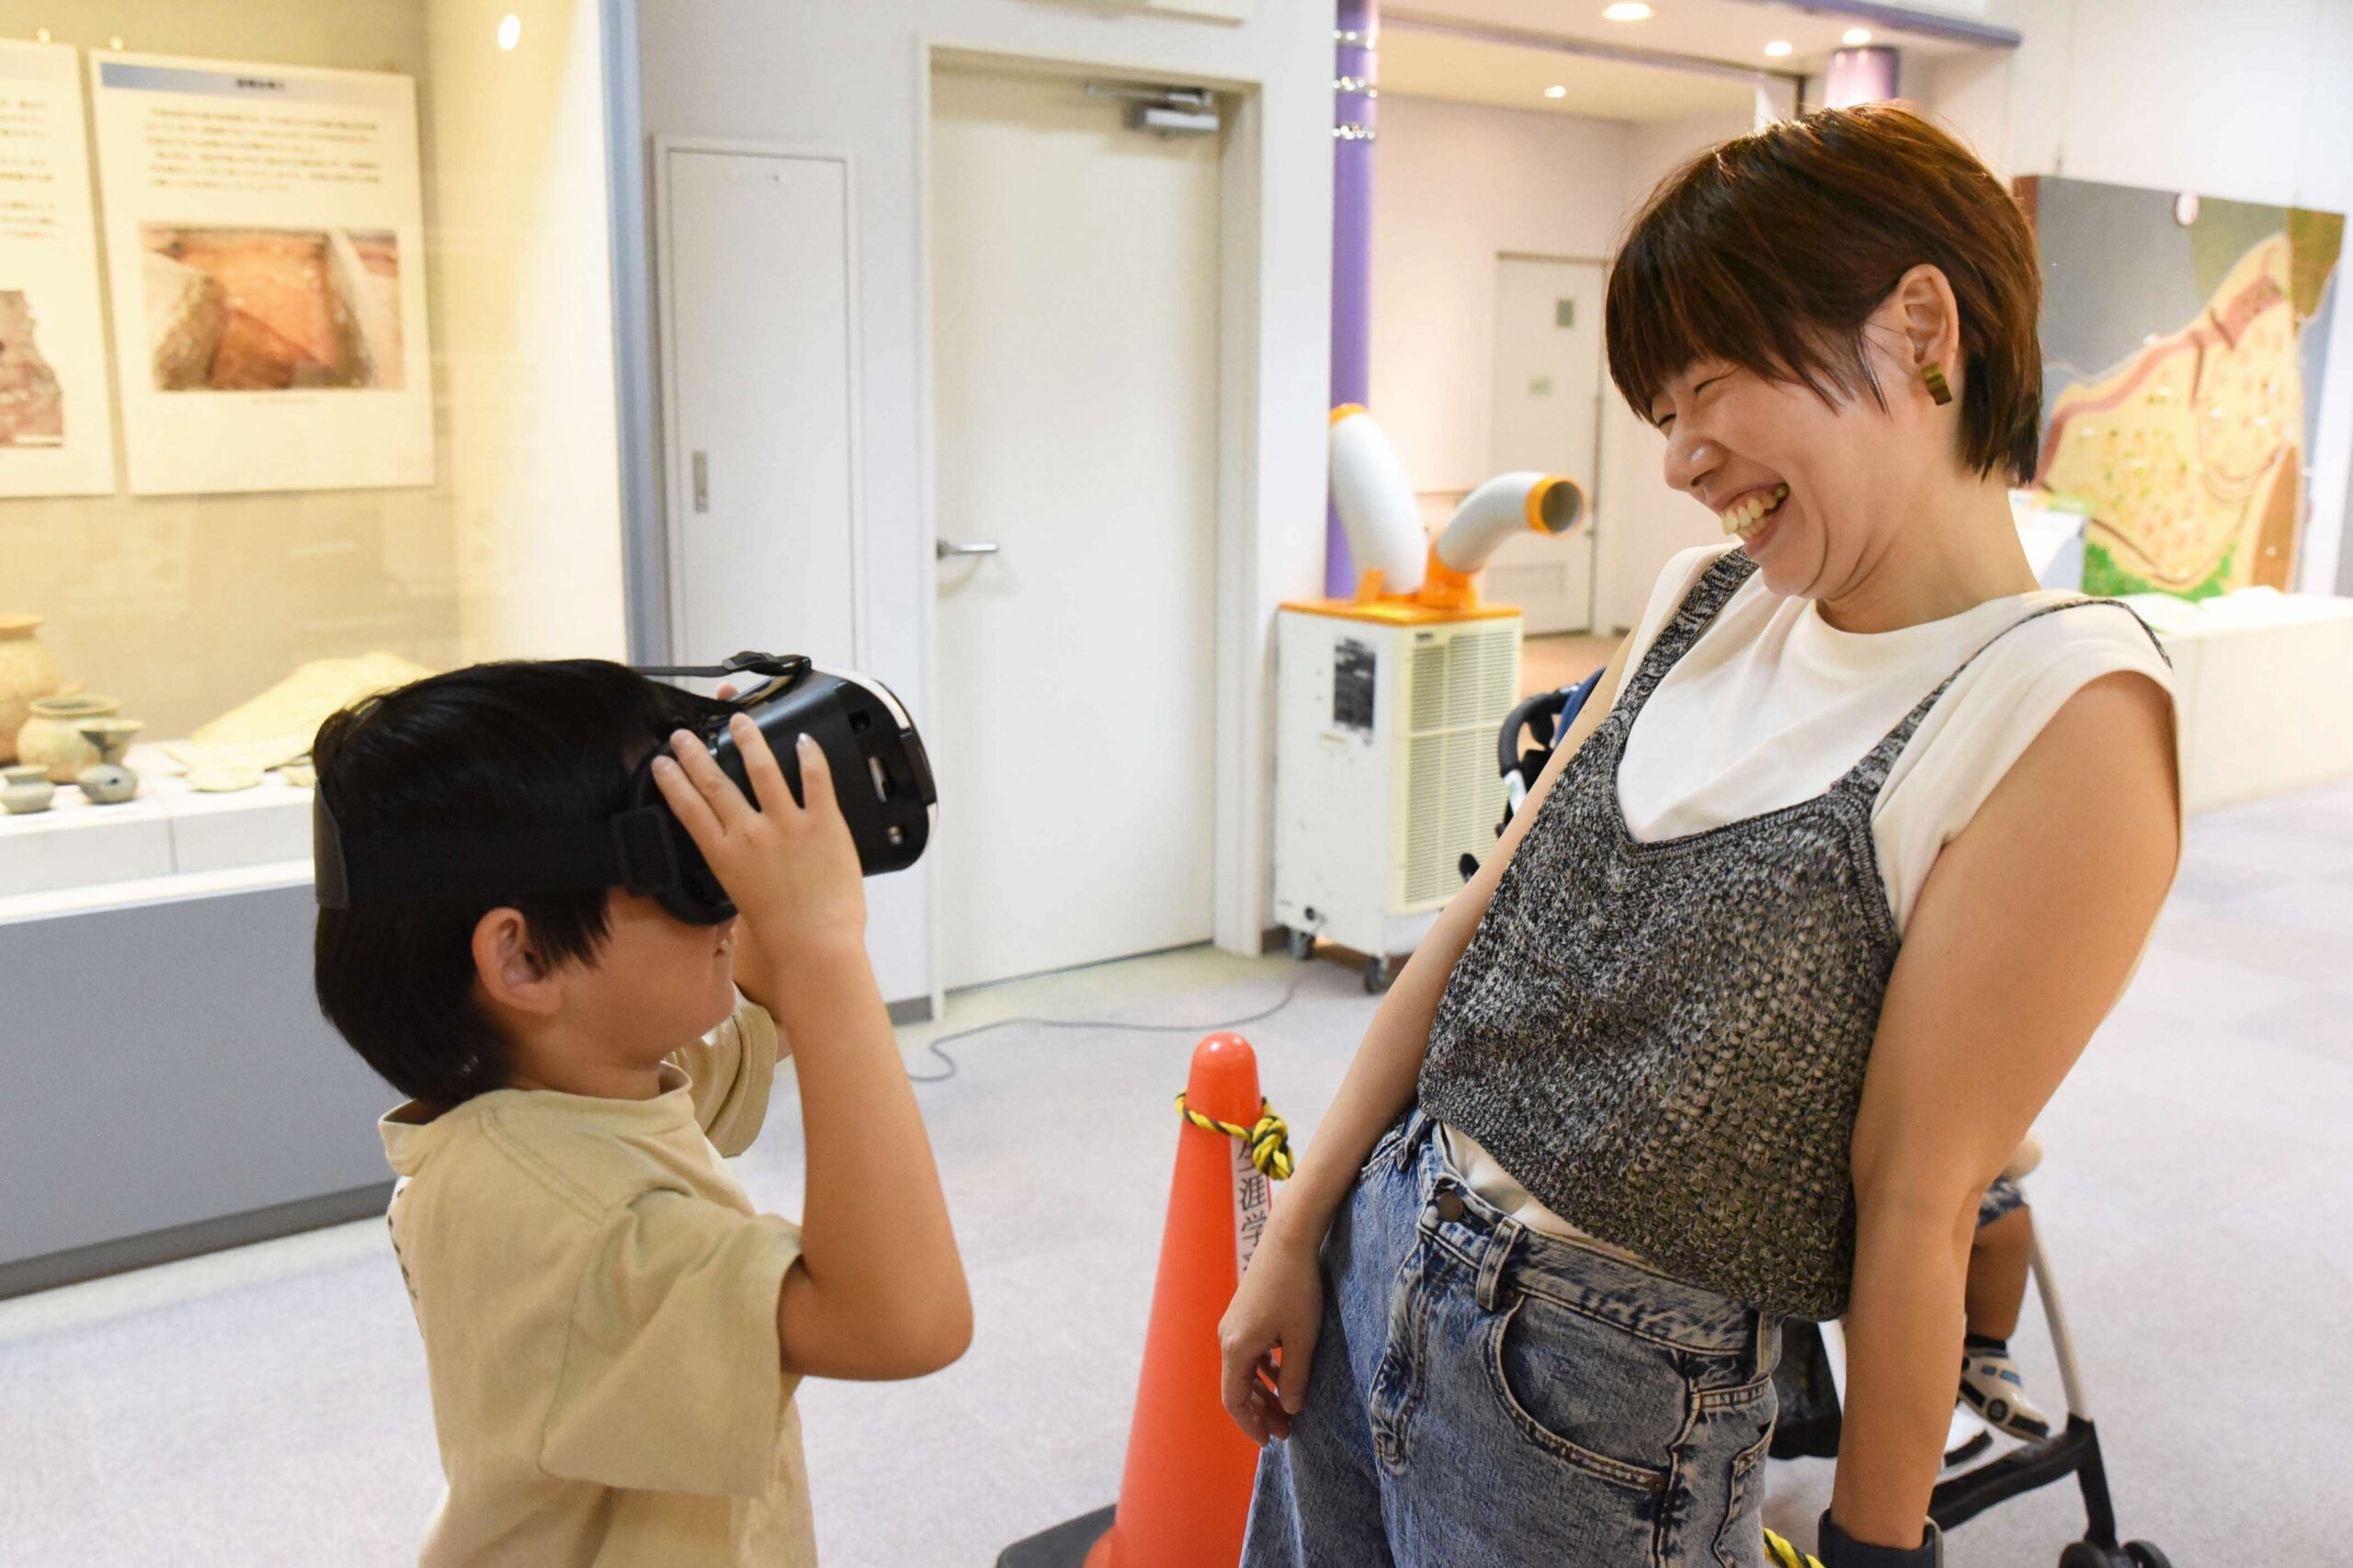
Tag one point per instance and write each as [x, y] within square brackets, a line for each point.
[53, 737]
[26, 672]
[112, 737]
[107, 784]
[24, 790]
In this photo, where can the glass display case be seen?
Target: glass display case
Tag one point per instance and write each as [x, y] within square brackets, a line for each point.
[307, 388]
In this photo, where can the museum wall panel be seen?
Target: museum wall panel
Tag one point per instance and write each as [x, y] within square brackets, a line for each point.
[851, 78]
[2243, 102]
[524, 276]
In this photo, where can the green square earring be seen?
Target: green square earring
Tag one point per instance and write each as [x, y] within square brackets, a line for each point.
[1940, 389]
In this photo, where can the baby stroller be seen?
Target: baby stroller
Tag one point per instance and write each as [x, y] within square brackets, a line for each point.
[1811, 1375]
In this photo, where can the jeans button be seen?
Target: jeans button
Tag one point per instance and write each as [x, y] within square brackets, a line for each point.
[1450, 1206]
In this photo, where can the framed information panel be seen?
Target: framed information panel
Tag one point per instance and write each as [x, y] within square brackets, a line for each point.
[265, 245]
[56, 431]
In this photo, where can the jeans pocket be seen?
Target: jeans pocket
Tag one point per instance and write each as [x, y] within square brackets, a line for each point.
[1740, 1540]
[1587, 1392]
[1397, 1378]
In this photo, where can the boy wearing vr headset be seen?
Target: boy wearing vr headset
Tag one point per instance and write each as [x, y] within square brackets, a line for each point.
[613, 1332]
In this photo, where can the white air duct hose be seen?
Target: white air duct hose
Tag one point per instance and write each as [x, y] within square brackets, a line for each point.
[1506, 503]
[1376, 503]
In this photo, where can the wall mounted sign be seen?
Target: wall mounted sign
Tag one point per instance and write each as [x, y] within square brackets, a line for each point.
[2184, 342]
[265, 242]
[56, 430]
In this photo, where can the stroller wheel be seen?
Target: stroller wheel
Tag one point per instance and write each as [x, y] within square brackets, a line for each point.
[2083, 1554]
[2143, 1555]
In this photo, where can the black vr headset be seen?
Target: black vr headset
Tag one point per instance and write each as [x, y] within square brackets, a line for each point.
[881, 776]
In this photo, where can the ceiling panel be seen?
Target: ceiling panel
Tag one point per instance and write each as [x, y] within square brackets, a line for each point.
[1433, 65]
[1733, 31]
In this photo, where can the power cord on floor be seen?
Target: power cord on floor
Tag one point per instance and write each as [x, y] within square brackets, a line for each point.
[1291, 994]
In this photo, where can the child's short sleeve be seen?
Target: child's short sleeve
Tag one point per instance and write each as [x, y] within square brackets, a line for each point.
[672, 1379]
[733, 1069]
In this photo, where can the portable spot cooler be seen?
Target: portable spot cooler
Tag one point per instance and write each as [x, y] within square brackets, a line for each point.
[1387, 705]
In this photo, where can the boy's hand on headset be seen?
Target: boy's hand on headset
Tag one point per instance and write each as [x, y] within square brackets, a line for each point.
[792, 870]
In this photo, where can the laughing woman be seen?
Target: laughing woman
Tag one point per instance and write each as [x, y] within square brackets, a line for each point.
[1771, 974]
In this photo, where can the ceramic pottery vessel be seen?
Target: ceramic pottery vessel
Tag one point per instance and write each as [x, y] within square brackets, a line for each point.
[108, 784]
[110, 736]
[25, 789]
[53, 737]
[26, 672]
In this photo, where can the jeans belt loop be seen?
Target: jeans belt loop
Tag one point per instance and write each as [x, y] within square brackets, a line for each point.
[1492, 1259]
[1417, 1127]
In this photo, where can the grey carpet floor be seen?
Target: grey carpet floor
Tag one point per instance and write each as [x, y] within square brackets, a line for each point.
[267, 1407]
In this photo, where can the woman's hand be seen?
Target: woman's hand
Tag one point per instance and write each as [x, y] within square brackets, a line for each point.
[1267, 1339]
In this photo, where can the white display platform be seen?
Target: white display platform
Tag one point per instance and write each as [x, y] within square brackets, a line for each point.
[169, 830]
[2264, 686]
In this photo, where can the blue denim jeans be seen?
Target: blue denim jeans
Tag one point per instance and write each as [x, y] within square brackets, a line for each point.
[1484, 1394]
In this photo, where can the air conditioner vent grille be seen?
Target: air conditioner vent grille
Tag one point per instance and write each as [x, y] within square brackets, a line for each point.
[1452, 797]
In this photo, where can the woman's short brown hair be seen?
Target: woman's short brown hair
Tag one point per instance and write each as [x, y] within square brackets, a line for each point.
[1771, 250]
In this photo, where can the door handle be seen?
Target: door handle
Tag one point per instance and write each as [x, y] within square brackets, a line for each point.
[944, 550]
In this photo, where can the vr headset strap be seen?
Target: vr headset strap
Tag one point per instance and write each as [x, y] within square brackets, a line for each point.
[631, 850]
[787, 667]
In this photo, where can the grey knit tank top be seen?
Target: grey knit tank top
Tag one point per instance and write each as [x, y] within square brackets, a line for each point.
[1664, 1043]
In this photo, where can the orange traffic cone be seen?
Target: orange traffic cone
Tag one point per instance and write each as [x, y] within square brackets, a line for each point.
[1185, 1493]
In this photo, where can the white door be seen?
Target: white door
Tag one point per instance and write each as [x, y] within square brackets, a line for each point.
[759, 460]
[1075, 352]
[1547, 416]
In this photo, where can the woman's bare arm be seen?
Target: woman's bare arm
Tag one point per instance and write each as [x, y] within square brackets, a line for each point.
[2023, 936]
[1275, 1306]
[1380, 1082]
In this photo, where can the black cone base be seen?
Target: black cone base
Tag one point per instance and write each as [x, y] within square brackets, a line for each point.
[1065, 1546]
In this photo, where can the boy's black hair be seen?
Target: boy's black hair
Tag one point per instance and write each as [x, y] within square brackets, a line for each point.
[496, 745]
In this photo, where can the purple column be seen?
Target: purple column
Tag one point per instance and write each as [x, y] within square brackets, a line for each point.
[1862, 76]
[1356, 69]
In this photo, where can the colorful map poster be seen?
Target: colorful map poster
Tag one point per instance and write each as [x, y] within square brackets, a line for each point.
[56, 430]
[2183, 343]
[266, 244]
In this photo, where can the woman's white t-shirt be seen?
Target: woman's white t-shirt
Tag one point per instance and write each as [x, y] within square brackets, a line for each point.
[1773, 705]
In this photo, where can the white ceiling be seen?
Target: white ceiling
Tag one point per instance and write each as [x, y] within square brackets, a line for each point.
[1463, 71]
[1426, 63]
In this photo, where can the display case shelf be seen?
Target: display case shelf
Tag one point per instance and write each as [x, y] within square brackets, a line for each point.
[169, 830]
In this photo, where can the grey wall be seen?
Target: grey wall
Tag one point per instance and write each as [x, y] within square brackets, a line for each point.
[167, 1066]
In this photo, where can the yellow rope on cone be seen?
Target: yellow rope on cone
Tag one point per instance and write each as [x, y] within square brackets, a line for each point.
[1781, 1554]
[1268, 1141]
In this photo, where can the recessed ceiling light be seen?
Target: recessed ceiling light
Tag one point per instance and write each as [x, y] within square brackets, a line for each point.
[1626, 11]
[1778, 48]
[1854, 38]
[1556, 91]
[510, 30]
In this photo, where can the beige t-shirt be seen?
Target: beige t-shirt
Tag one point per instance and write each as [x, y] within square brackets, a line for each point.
[598, 1297]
